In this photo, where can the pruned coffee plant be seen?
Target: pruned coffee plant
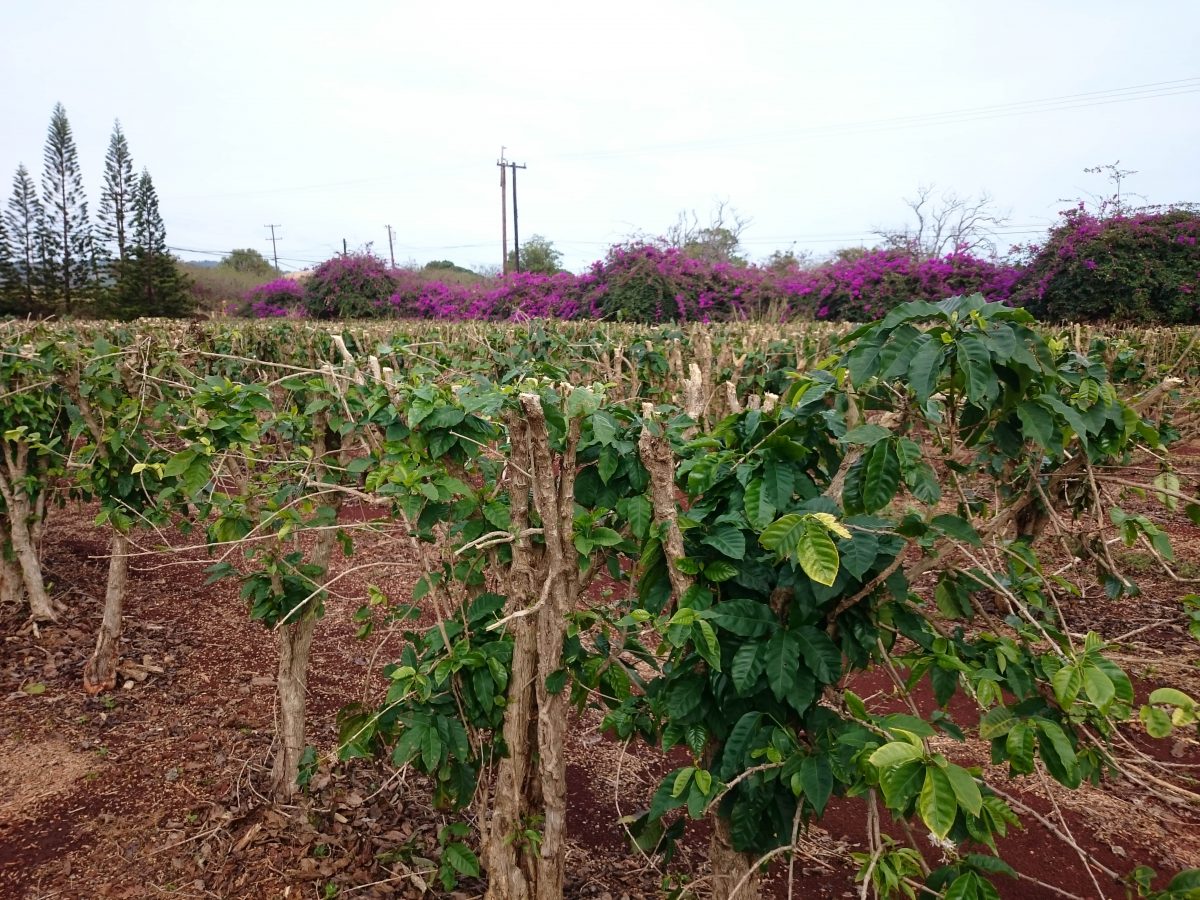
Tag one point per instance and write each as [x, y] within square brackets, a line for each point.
[887, 517]
[715, 537]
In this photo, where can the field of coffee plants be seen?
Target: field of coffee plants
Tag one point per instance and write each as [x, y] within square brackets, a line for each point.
[581, 609]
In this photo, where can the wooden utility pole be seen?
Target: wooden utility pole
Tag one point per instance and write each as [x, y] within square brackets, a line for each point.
[503, 213]
[516, 232]
[274, 249]
[391, 249]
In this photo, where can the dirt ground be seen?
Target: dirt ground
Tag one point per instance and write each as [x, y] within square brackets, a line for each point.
[156, 789]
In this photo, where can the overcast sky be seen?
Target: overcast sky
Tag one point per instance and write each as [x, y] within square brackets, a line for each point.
[812, 120]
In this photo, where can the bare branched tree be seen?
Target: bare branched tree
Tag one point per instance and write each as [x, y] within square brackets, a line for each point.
[718, 241]
[946, 223]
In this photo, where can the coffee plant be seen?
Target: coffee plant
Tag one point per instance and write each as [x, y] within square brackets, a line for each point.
[715, 554]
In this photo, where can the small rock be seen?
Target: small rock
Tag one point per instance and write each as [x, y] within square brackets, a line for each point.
[172, 774]
[128, 685]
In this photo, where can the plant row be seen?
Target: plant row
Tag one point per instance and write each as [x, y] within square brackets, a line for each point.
[1130, 267]
[887, 505]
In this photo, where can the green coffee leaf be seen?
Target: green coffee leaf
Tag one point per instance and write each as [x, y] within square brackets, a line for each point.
[937, 804]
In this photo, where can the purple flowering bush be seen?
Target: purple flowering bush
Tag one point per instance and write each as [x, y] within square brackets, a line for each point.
[635, 282]
[1138, 266]
[646, 282]
[861, 285]
[281, 297]
[356, 285]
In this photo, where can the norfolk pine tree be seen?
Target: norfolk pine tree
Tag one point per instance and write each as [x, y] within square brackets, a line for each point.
[148, 282]
[8, 272]
[23, 221]
[116, 199]
[70, 254]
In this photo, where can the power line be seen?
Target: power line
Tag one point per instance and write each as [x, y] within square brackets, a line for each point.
[327, 185]
[1128, 94]
[895, 123]
[293, 259]
[848, 238]
[1085, 99]
[1137, 92]
[444, 246]
[318, 261]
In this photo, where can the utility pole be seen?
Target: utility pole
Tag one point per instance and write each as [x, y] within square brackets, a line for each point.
[345, 252]
[391, 249]
[274, 249]
[516, 232]
[503, 213]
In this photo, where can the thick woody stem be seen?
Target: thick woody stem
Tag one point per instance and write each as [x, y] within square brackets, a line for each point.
[21, 526]
[511, 877]
[659, 460]
[100, 672]
[555, 505]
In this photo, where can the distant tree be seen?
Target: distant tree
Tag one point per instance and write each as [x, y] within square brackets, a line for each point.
[249, 261]
[70, 274]
[850, 254]
[717, 242]
[9, 288]
[445, 265]
[947, 224]
[446, 272]
[537, 255]
[148, 283]
[25, 236]
[786, 260]
[116, 197]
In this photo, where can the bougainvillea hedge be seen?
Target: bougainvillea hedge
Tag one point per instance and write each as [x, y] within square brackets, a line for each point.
[635, 283]
[1141, 266]
[1136, 267]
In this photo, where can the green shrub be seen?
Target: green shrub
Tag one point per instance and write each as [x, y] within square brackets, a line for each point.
[1141, 266]
[355, 285]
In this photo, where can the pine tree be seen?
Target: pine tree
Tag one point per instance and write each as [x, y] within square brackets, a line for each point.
[148, 281]
[26, 234]
[9, 290]
[70, 255]
[117, 197]
[149, 233]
